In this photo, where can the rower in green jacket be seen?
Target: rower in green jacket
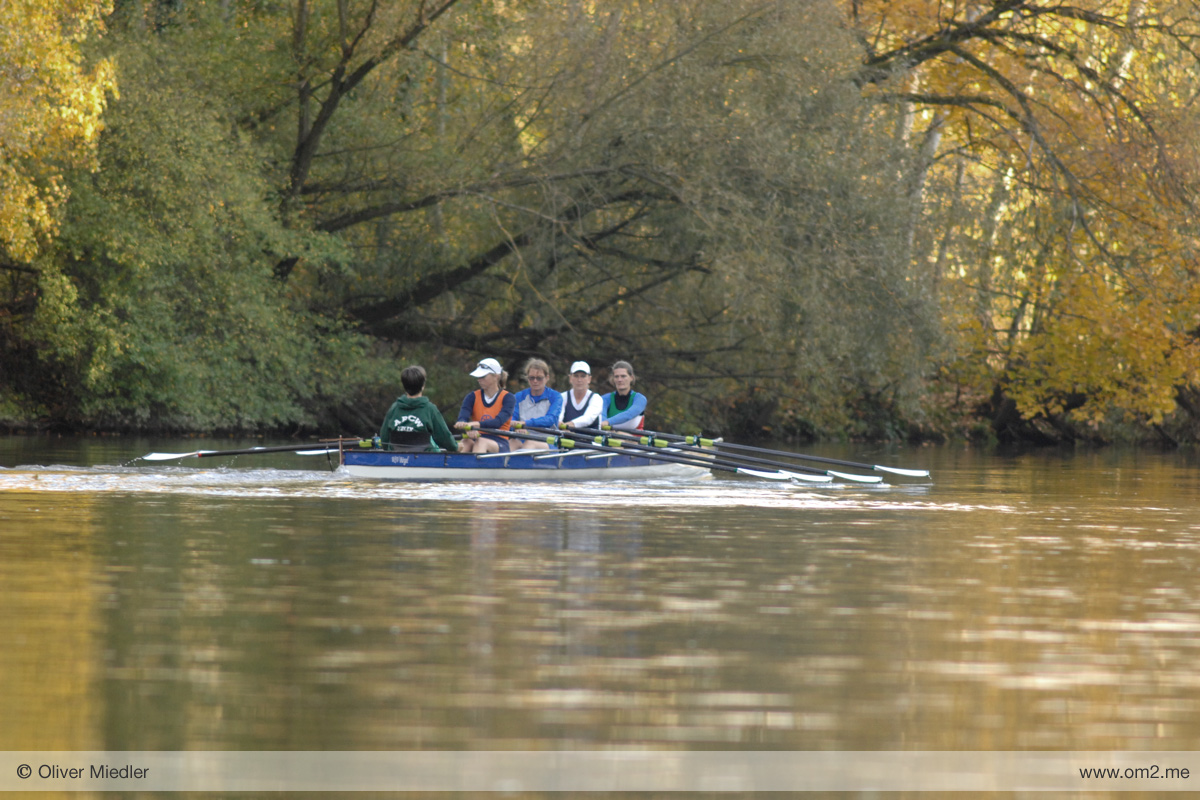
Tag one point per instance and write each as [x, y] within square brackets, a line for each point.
[413, 422]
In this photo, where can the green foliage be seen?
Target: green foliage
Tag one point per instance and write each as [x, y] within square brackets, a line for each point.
[159, 306]
[810, 219]
[711, 160]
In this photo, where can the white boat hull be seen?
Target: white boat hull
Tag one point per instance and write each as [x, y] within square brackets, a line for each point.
[543, 466]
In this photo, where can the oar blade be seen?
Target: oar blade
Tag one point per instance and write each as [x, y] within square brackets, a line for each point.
[911, 473]
[770, 476]
[171, 456]
[850, 476]
[804, 476]
[316, 452]
[724, 448]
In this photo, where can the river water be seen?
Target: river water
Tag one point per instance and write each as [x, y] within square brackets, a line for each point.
[1037, 601]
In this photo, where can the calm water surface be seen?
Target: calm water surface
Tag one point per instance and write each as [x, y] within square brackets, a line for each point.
[1044, 601]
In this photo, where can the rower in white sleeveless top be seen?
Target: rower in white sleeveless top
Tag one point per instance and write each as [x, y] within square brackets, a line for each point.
[581, 406]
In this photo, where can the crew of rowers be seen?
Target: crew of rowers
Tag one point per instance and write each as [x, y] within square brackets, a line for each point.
[414, 423]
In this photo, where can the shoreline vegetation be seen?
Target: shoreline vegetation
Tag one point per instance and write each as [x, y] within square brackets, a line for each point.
[821, 221]
[1003, 427]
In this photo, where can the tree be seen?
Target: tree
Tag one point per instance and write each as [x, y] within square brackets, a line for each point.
[50, 107]
[699, 187]
[545, 178]
[1060, 203]
[165, 310]
[51, 100]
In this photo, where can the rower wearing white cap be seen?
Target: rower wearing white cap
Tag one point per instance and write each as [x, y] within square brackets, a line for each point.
[581, 406]
[488, 410]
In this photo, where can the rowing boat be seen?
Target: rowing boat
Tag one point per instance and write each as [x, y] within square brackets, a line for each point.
[573, 457]
[523, 465]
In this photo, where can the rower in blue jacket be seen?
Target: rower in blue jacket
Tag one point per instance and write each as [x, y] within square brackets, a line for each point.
[537, 406]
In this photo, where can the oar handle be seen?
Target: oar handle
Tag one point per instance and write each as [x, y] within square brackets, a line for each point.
[692, 455]
[580, 441]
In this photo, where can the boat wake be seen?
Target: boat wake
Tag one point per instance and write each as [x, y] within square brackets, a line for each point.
[276, 483]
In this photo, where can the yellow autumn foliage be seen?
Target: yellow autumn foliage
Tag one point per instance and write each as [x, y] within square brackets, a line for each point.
[50, 111]
[1116, 353]
[1060, 205]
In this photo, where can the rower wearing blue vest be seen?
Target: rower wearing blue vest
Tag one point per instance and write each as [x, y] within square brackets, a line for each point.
[537, 406]
[623, 409]
[581, 406]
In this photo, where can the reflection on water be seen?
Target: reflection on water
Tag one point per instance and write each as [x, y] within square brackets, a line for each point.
[1032, 602]
[49, 663]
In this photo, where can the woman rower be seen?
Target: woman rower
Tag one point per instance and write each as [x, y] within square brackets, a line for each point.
[537, 406]
[488, 408]
[581, 406]
[623, 409]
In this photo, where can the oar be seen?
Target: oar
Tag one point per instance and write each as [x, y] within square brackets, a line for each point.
[803, 473]
[567, 444]
[672, 458]
[330, 446]
[699, 441]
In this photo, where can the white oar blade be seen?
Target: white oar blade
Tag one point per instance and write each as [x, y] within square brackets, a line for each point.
[771, 476]
[169, 456]
[847, 476]
[806, 476]
[316, 452]
[912, 473]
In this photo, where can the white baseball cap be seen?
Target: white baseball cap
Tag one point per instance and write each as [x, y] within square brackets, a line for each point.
[489, 366]
[581, 366]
